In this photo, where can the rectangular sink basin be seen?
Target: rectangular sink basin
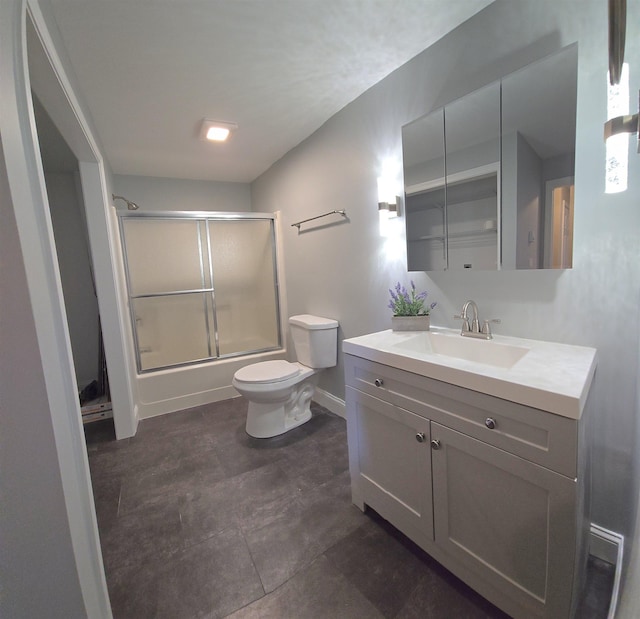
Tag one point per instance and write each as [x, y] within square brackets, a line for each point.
[487, 352]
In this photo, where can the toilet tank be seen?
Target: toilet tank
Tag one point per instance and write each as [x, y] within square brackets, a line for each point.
[315, 340]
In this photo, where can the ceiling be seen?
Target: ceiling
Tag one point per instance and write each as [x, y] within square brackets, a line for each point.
[151, 71]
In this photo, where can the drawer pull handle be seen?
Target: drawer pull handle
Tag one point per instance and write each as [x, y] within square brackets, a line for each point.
[490, 423]
[378, 382]
[435, 444]
[420, 437]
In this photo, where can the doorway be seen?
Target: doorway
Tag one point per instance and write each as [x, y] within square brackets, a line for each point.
[558, 223]
[66, 206]
[54, 91]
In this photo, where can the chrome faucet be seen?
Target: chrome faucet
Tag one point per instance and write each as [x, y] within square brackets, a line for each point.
[471, 328]
[474, 326]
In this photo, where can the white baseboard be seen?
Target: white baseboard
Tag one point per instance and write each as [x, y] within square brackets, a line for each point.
[171, 405]
[608, 546]
[330, 402]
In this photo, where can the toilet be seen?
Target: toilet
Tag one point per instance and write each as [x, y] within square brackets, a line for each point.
[279, 392]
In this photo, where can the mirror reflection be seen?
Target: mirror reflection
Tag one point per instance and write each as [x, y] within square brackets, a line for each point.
[489, 178]
[538, 154]
[424, 170]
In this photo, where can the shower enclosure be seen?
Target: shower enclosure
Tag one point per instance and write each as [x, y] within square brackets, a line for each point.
[201, 286]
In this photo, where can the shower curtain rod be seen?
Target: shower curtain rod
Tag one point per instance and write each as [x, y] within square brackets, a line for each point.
[304, 221]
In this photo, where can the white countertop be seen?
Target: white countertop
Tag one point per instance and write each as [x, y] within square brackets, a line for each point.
[550, 376]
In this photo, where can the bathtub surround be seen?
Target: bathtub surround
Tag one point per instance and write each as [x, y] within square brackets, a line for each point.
[173, 389]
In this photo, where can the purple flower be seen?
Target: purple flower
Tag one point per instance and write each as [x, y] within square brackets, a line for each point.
[408, 303]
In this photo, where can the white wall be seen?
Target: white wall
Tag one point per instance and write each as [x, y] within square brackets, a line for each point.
[51, 550]
[344, 271]
[529, 206]
[38, 569]
[80, 298]
[173, 194]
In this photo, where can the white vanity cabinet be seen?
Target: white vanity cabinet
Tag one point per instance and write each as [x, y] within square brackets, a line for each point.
[488, 487]
[393, 463]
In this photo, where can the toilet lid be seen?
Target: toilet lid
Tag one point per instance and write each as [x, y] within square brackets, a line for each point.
[267, 372]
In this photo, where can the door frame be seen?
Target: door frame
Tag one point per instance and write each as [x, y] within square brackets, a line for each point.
[549, 188]
[19, 21]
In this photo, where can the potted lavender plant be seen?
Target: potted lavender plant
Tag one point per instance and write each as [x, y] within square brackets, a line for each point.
[409, 310]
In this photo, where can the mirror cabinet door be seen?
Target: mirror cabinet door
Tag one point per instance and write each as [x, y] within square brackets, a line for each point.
[424, 174]
[472, 151]
[538, 154]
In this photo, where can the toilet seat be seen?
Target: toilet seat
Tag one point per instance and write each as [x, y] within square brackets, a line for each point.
[267, 372]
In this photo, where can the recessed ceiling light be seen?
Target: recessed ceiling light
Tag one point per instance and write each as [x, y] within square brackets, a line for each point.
[216, 130]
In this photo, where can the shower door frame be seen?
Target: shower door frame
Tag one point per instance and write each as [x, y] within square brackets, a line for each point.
[204, 217]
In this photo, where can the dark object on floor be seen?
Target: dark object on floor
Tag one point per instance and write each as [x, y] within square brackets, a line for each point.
[90, 392]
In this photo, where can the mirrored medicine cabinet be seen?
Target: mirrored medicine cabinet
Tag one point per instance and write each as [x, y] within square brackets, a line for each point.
[489, 177]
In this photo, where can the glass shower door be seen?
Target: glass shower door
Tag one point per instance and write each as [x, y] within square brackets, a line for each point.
[168, 290]
[244, 278]
[200, 288]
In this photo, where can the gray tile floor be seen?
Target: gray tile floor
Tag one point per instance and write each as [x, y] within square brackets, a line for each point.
[197, 519]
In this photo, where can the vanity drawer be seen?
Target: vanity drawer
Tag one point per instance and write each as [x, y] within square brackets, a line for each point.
[539, 436]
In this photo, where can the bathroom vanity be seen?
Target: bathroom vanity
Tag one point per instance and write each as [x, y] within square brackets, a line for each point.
[476, 451]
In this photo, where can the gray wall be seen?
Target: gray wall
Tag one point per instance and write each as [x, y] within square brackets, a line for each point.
[38, 568]
[529, 205]
[343, 271]
[81, 303]
[172, 194]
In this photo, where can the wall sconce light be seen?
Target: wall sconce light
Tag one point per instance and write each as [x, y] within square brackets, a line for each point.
[616, 133]
[132, 206]
[619, 75]
[390, 209]
[216, 130]
[622, 124]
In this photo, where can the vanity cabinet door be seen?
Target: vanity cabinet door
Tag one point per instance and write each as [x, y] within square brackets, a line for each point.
[390, 462]
[509, 524]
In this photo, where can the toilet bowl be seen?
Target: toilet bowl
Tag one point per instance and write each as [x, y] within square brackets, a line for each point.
[280, 392]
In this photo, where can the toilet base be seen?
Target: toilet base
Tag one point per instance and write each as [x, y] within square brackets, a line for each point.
[268, 419]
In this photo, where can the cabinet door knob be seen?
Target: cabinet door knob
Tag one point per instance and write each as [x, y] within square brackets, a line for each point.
[420, 437]
[435, 444]
[490, 423]
[378, 382]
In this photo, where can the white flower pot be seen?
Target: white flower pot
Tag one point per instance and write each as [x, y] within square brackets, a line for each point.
[410, 323]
